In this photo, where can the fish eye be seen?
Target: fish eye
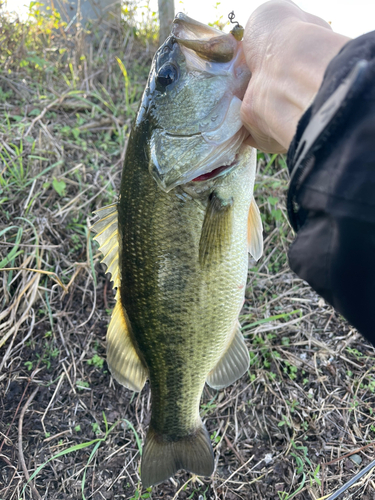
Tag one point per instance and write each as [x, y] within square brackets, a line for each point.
[167, 74]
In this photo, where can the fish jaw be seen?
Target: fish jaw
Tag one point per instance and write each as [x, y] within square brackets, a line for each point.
[210, 44]
[187, 27]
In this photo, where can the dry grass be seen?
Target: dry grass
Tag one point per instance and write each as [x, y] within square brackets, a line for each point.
[283, 431]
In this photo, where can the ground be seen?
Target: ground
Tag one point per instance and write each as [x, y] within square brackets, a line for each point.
[298, 425]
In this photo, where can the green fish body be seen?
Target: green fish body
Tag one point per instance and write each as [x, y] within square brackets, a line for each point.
[177, 247]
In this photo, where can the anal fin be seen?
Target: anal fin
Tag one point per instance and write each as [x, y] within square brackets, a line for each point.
[232, 365]
[122, 358]
[216, 230]
[254, 231]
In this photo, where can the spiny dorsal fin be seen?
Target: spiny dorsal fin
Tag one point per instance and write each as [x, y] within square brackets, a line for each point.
[107, 237]
[122, 358]
[254, 231]
[216, 230]
[233, 363]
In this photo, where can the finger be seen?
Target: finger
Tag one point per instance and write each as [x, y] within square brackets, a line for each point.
[250, 141]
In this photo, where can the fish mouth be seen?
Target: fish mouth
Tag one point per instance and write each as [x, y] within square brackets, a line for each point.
[216, 172]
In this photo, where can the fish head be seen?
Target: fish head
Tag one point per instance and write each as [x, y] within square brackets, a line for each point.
[192, 103]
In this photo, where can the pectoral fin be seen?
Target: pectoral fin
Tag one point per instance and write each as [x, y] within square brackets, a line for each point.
[216, 230]
[232, 365]
[254, 231]
[122, 358]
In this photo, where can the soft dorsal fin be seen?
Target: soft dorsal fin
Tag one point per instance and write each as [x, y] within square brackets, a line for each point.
[216, 230]
[122, 357]
[233, 363]
[254, 231]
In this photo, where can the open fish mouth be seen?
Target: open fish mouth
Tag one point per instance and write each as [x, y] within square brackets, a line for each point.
[217, 172]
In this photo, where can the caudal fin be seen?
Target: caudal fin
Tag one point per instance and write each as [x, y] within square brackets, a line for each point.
[163, 457]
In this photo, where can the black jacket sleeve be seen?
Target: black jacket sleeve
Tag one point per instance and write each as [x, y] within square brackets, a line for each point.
[331, 197]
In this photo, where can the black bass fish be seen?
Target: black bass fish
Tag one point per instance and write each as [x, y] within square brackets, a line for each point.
[177, 242]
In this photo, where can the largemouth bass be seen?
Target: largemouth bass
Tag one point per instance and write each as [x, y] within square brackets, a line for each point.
[177, 242]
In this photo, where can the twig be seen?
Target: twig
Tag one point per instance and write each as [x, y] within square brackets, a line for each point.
[348, 454]
[230, 445]
[52, 399]
[19, 404]
[40, 271]
[40, 116]
[237, 470]
[183, 486]
[341, 458]
[12, 86]
[9, 428]
[354, 479]
[10, 482]
[20, 450]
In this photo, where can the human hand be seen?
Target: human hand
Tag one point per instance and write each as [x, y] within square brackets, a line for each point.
[287, 51]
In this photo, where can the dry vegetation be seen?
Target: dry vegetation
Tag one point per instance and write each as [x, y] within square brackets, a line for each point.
[299, 425]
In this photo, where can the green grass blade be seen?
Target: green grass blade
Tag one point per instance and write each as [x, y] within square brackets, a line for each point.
[60, 454]
[126, 79]
[54, 165]
[137, 438]
[271, 318]
[13, 253]
[92, 454]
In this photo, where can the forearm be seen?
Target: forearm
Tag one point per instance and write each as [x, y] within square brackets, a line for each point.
[331, 200]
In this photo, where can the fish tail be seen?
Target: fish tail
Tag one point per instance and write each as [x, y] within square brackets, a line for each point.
[163, 457]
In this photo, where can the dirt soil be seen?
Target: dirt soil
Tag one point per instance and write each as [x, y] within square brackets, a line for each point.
[298, 425]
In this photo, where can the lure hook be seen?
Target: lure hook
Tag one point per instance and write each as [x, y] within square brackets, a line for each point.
[237, 30]
[231, 16]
